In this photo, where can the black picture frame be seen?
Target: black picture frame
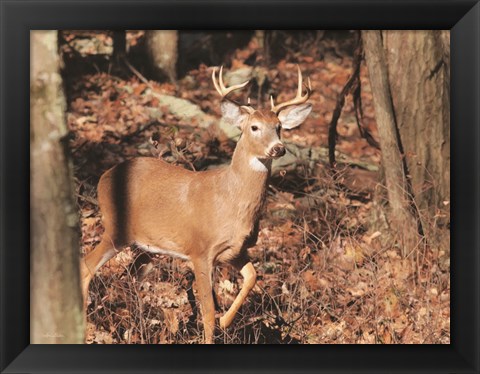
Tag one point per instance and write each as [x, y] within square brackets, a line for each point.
[18, 17]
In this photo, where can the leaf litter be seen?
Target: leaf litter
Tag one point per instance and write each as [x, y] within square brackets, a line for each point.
[323, 277]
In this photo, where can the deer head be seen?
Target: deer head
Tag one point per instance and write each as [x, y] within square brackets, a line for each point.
[261, 128]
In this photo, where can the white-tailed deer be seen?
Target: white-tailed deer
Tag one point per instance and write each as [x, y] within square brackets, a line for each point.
[207, 217]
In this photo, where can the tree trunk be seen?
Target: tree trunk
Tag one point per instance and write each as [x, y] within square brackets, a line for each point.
[401, 219]
[162, 46]
[419, 75]
[56, 314]
[119, 44]
[418, 68]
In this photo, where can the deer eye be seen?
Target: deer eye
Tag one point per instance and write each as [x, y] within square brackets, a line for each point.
[254, 128]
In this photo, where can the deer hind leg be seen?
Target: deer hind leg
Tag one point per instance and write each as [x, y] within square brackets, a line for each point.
[249, 279]
[93, 261]
[203, 280]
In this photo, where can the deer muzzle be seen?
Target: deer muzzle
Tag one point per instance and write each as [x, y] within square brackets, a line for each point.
[278, 150]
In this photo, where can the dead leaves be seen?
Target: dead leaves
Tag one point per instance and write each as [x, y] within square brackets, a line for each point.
[322, 278]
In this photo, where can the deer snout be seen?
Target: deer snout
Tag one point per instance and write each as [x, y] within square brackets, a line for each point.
[278, 150]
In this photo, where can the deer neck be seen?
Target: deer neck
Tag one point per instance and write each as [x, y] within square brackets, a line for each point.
[249, 176]
[249, 167]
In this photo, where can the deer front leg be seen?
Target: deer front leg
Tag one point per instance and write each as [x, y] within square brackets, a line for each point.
[203, 280]
[249, 278]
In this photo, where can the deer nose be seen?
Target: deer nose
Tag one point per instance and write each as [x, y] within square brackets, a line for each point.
[278, 150]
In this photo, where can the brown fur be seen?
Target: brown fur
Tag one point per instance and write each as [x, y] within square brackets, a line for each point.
[161, 205]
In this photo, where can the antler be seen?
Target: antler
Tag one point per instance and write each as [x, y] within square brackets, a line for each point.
[299, 99]
[224, 91]
[220, 87]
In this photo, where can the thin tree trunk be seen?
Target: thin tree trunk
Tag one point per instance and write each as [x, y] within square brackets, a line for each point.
[119, 44]
[162, 50]
[56, 314]
[401, 220]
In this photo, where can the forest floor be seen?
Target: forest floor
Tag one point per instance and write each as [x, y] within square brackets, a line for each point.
[324, 276]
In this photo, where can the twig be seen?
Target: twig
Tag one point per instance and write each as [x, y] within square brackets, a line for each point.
[88, 199]
[353, 86]
[332, 127]
[138, 74]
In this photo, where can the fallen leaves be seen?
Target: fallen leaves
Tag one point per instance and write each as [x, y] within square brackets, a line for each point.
[322, 277]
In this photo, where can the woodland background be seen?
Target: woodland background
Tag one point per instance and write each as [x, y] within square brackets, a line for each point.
[354, 246]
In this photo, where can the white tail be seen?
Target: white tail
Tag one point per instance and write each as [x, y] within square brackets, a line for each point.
[207, 217]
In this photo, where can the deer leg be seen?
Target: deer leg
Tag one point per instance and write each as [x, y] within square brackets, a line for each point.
[203, 280]
[94, 261]
[249, 278]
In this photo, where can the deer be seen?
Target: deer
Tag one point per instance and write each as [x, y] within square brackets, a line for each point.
[208, 217]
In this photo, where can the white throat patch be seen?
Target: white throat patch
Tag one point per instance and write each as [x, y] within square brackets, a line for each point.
[257, 165]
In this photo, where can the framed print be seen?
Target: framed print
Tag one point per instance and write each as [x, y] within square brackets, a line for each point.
[255, 175]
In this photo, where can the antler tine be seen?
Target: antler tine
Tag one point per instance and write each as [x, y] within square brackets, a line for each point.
[299, 99]
[248, 107]
[217, 87]
[300, 82]
[220, 86]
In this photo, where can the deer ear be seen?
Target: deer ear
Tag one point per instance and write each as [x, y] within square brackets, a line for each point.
[233, 113]
[294, 116]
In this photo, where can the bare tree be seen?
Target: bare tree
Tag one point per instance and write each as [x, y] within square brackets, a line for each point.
[119, 44]
[400, 215]
[162, 47]
[419, 76]
[409, 75]
[56, 303]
